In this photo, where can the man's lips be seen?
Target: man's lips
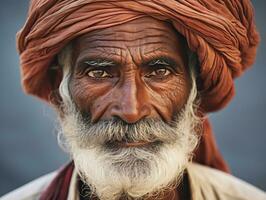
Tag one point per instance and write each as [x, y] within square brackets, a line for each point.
[133, 144]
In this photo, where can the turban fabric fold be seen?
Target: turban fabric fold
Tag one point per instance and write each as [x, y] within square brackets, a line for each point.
[221, 32]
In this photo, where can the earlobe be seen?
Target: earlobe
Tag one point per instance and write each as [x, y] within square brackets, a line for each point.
[55, 78]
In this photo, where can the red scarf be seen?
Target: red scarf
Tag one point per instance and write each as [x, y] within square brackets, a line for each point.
[58, 188]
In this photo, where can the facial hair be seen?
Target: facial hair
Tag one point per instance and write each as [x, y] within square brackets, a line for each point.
[112, 171]
[134, 172]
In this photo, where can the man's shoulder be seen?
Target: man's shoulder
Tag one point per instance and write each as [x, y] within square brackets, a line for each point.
[215, 184]
[32, 190]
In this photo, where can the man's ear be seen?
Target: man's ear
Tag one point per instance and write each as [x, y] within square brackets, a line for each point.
[55, 75]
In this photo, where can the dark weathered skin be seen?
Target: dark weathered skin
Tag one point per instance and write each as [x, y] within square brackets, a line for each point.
[132, 90]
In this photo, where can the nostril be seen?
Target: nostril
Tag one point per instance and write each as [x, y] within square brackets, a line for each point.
[115, 110]
[146, 111]
[129, 115]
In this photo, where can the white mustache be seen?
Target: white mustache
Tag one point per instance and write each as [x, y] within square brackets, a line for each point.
[116, 130]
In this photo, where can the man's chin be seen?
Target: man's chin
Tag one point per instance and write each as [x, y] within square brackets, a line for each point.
[135, 171]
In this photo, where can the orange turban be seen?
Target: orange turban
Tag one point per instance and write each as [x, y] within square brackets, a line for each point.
[221, 32]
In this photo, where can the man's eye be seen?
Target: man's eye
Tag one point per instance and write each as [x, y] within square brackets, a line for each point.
[160, 72]
[98, 74]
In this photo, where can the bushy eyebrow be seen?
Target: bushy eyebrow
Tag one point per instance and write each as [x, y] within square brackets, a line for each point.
[153, 61]
[100, 62]
[162, 61]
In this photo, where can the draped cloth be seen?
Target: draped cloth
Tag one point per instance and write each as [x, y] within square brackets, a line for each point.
[58, 188]
[221, 33]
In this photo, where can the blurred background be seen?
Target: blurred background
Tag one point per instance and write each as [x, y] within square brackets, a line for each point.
[28, 144]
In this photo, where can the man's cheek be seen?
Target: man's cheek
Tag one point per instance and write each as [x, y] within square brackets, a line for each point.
[86, 95]
[169, 100]
[100, 107]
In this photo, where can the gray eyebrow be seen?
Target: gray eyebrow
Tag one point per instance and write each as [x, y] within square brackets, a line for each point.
[100, 63]
[159, 62]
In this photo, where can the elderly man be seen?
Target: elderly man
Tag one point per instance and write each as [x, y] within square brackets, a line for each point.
[131, 81]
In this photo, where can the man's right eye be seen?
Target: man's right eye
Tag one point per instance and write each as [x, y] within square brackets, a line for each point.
[98, 73]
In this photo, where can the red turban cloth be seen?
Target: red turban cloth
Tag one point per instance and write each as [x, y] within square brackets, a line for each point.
[221, 32]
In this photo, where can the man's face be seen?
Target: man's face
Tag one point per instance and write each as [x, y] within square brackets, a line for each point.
[133, 71]
[128, 108]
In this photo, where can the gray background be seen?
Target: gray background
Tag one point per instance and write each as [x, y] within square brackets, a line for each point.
[28, 147]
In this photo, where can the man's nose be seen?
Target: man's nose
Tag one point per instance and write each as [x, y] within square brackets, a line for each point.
[132, 103]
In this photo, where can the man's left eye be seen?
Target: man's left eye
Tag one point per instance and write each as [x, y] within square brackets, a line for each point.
[160, 72]
[99, 73]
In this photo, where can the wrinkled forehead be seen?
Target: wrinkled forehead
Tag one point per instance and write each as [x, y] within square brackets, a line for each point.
[146, 33]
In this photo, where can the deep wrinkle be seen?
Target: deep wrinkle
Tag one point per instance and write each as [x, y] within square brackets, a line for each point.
[134, 90]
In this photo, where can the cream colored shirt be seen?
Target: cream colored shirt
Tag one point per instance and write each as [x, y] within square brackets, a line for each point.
[205, 184]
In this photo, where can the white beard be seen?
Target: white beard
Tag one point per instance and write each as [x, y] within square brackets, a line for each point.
[152, 173]
[133, 171]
